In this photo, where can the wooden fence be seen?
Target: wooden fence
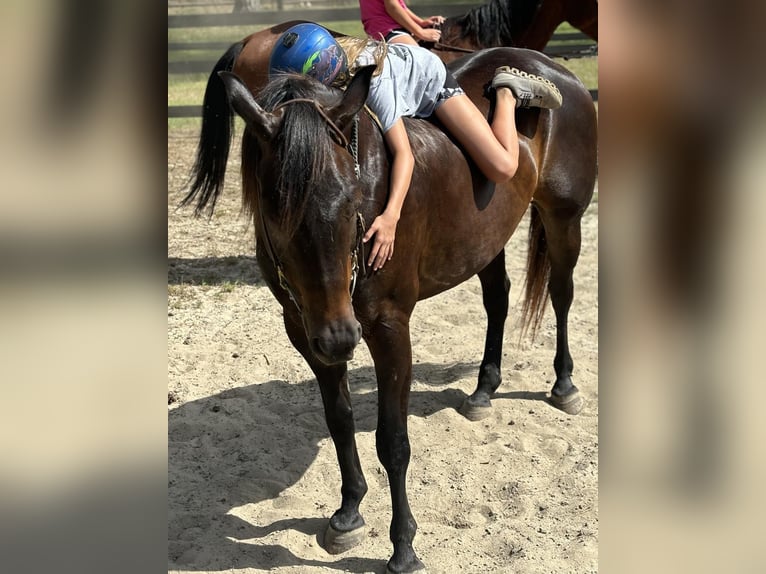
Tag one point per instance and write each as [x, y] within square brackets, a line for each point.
[570, 45]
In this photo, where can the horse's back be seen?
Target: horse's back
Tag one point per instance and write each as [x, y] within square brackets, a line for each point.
[559, 145]
[468, 220]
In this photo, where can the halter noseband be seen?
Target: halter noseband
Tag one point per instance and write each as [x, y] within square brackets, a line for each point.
[355, 266]
[353, 149]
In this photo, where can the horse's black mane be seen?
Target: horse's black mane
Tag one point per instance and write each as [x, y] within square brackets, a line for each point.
[497, 22]
[301, 154]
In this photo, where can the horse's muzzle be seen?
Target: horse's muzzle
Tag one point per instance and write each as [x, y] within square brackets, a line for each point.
[335, 342]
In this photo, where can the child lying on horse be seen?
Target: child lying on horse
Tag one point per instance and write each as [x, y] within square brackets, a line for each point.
[412, 82]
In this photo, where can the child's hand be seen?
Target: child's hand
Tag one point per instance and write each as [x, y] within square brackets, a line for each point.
[435, 20]
[384, 230]
[430, 35]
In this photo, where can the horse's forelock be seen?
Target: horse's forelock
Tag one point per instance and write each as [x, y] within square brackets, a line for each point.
[286, 87]
[300, 146]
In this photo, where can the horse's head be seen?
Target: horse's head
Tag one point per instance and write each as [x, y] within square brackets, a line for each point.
[299, 178]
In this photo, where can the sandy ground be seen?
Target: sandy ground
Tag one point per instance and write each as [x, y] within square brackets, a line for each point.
[252, 472]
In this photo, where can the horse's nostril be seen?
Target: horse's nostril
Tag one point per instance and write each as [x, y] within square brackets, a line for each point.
[317, 344]
[338, 344]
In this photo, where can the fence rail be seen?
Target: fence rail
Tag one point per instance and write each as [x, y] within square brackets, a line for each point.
[578, 44]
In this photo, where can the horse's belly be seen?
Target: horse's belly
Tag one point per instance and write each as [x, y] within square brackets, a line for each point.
[466, 232]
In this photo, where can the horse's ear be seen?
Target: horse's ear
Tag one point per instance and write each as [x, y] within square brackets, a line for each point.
[354, 97]
[241, 99]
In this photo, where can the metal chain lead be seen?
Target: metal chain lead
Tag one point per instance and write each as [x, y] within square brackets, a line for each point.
[354, 147]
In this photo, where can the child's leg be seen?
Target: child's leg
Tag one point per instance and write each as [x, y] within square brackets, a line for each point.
[403, 39]
[401, 36]
[495, 148]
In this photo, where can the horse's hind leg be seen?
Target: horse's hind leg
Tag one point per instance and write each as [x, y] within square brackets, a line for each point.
[563, 238]
[495, 286]
[346, 527]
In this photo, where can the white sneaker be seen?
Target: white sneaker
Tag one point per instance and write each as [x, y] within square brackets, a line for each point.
[529, 90]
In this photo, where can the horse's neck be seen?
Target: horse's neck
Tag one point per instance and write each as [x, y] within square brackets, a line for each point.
[542, 23]
[375, 164]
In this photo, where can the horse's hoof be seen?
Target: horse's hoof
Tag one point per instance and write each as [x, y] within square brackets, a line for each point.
[474, 412]
[336, 542]
[571, 404]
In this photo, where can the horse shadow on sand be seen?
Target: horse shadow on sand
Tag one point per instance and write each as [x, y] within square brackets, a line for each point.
[241, 269]
[216, 463]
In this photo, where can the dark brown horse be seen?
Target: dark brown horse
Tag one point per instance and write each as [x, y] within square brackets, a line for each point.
[520, 23]
[315, 169]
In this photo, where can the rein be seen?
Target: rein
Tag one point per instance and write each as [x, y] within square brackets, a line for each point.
[353, 149]
[449, 48]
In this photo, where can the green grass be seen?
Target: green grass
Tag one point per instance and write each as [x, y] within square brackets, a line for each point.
[186, 89]
[184, 125]
[584, 68]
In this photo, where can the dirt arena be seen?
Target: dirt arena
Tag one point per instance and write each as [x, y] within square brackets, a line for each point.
[252, 472]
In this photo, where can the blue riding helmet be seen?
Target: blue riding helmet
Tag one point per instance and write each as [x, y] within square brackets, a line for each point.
[308, 49]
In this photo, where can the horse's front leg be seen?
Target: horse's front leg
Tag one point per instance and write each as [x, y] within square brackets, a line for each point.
[346, 527]
[389, 344]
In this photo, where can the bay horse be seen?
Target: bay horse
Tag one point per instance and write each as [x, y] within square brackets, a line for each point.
[315, 171]
[520, 23]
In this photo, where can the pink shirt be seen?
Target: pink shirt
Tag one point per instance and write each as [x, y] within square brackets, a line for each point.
[376, 21]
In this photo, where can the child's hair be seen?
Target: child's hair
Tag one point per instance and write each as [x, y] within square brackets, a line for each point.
[353, 47]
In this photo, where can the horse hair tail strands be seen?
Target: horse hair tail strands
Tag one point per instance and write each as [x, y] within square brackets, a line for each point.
[538, 273]
[207, 176]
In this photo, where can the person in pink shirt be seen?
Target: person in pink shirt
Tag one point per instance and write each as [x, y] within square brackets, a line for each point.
[392, 21]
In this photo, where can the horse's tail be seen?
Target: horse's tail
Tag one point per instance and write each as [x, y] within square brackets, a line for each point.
[538, 273]
[207, 175]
